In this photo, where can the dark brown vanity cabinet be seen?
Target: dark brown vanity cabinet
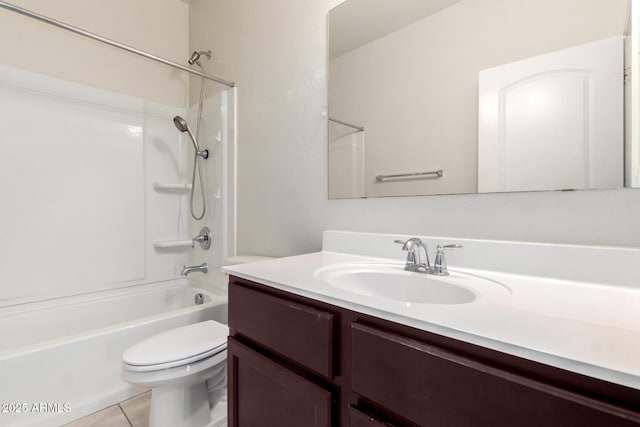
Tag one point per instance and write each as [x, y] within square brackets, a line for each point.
[298, 362]
[277, 350]
[267, 394]
[431, 386]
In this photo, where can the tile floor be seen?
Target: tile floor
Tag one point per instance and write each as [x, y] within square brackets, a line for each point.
[130, 413]
[133, 412]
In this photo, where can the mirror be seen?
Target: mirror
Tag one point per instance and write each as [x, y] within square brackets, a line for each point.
[473, 96]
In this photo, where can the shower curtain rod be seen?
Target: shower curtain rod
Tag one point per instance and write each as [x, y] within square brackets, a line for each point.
[59, 24]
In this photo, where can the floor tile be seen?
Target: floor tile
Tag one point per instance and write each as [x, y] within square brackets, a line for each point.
[111, 417]
[137, 409]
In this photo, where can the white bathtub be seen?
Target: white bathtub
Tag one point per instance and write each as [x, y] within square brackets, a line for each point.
[61, 359]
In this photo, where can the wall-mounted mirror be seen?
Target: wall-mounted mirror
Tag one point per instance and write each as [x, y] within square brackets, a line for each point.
[468, 96]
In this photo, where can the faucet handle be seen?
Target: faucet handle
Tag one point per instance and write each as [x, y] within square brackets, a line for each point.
[204, 238]
[407, 246]
[440, 263]
[450, 247]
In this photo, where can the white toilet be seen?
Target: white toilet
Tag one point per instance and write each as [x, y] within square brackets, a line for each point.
[186, 371]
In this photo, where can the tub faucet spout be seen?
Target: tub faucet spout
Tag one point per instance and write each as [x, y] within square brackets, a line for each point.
[202, 268]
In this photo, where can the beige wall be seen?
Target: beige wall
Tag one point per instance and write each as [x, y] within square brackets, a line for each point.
[157, 26]
[276, 52]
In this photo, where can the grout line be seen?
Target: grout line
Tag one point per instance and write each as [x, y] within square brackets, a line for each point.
[125, 414]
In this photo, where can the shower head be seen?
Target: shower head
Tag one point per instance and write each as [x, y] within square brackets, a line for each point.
[195, 57]
[183, 126]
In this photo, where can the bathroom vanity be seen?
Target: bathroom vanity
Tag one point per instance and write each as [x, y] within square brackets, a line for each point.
[305, 352]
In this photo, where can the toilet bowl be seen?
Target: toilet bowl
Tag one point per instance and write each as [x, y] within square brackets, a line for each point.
[186, 371]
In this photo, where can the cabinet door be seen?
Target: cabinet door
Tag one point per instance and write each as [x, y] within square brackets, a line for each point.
[264, 393]
[434, 387]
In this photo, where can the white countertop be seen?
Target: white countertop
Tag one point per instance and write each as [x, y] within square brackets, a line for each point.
[585, 327]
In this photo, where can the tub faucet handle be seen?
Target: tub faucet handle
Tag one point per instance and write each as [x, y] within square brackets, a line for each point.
[204, 238]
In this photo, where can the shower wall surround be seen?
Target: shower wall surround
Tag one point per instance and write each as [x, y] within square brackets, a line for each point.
[87, 132]
[77, 167]
[217, 133]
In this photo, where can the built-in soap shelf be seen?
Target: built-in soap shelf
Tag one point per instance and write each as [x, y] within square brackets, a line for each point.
[203, 239]
[171, 188]
[173, 244]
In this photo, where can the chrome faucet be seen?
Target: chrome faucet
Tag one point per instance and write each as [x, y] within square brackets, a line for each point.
[440, 264]
[204, 238]
[417, 256]
[202, 268]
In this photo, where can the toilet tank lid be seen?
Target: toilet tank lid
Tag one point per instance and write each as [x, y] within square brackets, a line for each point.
[178, 344]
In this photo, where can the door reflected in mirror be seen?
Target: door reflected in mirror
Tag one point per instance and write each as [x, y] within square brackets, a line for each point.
[467, 96]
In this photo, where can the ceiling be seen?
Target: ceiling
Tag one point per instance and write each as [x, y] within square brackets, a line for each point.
[375, 19]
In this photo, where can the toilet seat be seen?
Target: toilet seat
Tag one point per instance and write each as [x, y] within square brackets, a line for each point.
[177, 347]
[177, 366]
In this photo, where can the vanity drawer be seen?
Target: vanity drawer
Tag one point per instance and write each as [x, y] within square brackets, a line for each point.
[433, 387]
[300, 333]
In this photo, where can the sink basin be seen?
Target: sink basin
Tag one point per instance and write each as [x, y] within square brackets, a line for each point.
[392, 282]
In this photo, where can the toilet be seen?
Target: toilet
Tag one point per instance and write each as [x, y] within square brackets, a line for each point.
[185, 368]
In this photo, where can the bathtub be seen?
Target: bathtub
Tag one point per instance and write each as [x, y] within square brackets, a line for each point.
[61, 359]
